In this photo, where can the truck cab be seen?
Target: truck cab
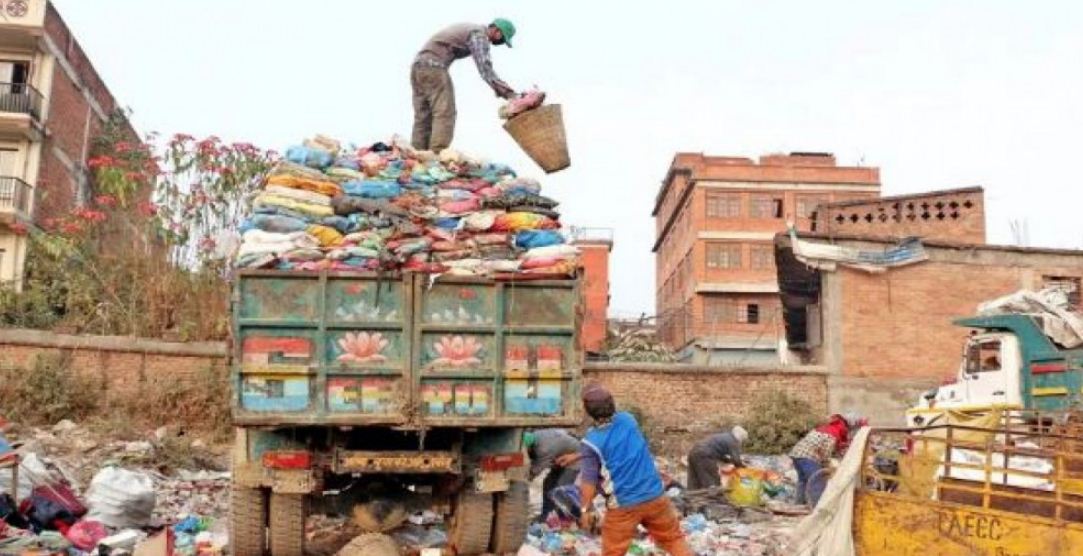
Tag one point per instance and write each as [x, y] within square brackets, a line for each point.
[1009, 363]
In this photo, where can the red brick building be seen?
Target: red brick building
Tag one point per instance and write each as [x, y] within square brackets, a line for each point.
[595, 245]
[52, 105]
[716, 217]
[884, 337]
[951, 215]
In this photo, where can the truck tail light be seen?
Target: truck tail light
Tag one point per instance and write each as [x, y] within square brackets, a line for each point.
[287, 459]
[501, 462]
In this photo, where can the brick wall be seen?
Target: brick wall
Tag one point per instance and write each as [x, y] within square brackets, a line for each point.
[125, 366]
[678, 403]
[681, 403]
[955, 215]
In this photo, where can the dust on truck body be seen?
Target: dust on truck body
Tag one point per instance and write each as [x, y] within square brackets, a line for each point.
[394, 393]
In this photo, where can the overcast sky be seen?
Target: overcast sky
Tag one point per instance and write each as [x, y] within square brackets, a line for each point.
[938, 94]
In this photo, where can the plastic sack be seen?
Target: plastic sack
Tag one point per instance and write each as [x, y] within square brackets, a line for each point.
[518, 221]
[120, 498]
[373, 189]
[327, 236]
[86, 534]
[323, 187]
[746, 488]
[276, 223]
[308, 156]
[525, 101]
[531, 239]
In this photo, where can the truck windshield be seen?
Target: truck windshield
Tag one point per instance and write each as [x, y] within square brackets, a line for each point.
[983, 356]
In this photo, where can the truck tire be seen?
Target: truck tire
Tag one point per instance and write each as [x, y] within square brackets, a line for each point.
[471, 523]
[370, 544]
[248, 520]
[287, 524]
[511, 518]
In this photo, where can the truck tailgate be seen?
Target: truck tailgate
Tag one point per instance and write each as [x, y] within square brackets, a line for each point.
[352, 348]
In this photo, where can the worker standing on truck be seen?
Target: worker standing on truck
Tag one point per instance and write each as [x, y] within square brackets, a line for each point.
[617, 461]
[555, 450]
[434, 96]
[709, 453]
[814, 451]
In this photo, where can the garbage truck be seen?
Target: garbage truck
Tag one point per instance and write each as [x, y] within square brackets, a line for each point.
[987, 485]
[382, 395]
[1009, 362]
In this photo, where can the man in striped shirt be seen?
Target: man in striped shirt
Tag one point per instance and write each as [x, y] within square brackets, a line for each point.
[434, 96]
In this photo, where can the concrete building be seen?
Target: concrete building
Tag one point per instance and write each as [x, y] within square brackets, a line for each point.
[951, 215]
[595, 245]
[885, 337]
[716, 216]
[52, 105]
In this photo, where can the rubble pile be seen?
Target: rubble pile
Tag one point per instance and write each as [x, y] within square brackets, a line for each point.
[640, 346]
[77, 493]
[390, 207]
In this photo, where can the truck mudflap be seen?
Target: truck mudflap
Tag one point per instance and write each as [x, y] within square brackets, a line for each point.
[357, 461]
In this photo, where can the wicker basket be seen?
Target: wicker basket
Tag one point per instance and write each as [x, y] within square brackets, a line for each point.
[540, 132]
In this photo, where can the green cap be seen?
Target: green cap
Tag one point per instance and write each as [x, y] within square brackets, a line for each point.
[507, 29]
[528, 439]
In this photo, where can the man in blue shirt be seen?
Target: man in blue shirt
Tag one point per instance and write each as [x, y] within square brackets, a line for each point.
[616, 461]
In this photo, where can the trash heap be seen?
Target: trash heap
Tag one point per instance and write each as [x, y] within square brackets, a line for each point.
[389, 207]
[60, 504]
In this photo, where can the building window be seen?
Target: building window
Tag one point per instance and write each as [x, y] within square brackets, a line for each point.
[1068, 284]
[723, 255]
[723, 206]
[766, 207]
[719, 310]
[762, 257]
[806, 204]
[749, 314]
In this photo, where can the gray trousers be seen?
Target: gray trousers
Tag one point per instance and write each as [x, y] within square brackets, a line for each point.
[702, 471]
[434, 108]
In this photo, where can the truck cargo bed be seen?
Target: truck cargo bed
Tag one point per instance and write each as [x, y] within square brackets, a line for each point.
[357, 348]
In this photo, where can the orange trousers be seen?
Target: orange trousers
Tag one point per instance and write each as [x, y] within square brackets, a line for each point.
[657, 516]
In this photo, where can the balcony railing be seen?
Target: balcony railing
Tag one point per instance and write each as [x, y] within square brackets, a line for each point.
[15, 195]
[21, 98]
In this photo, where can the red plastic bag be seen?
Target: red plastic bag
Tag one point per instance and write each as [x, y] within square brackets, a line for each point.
[86, 534]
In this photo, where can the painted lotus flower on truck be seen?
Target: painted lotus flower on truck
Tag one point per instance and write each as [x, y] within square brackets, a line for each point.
[457, 351]
[362, 347]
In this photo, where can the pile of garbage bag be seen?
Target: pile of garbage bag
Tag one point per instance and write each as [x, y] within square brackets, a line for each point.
[390, 207]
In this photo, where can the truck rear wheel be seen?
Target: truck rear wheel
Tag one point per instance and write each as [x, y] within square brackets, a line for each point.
[471, 522]
[248, 520]
[287, 524]
[511, 518]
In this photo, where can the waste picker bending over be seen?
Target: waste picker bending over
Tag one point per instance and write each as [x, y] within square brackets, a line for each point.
[814, 452]
[617, 462]
[434, 96]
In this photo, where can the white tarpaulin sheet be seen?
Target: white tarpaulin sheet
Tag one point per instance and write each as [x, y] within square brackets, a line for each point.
[826, 256]
[828, 530]
[1050, 307]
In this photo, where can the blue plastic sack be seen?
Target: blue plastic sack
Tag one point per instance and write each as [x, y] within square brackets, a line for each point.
[313, 158]
[372, 189]
[448, 223]
[274, 223]
[532, 239]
